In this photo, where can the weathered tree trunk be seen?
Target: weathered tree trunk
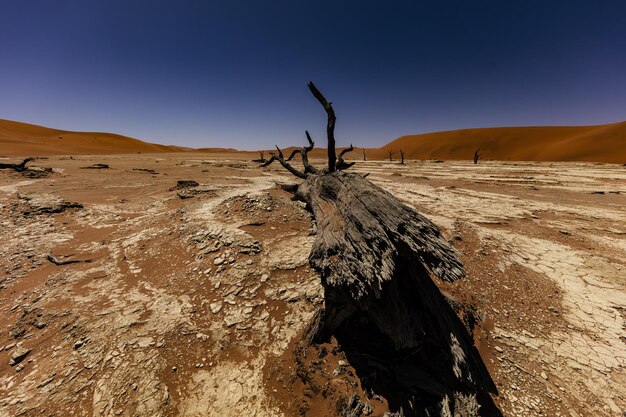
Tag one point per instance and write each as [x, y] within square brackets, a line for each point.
[390, 154]
[364, 157]
[476, 156]
[376, 258]
[401, 157]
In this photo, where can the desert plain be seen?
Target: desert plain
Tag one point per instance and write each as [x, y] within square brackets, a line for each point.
[126, 292]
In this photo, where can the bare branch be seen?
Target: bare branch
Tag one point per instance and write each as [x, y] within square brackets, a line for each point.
[330, 127]
[269, 161]
[280, 158]
[476, 156]
[262, 157]
[345, 151]
[401, 157]
[341, 164]
[280, 153]
[311, 143]
[295, 151]
[304, 151]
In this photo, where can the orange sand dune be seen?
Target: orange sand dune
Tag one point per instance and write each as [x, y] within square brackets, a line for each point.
[22, 139]
[604, 143]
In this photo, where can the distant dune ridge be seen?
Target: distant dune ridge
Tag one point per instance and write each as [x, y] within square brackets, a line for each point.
[604, 143]
[23, 139]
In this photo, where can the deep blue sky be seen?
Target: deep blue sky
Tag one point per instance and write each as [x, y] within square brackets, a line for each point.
[233, 73]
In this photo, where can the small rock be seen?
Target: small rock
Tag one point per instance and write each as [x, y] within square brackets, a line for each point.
[499, 349]
[544, 376]
[218, 261]
[265, 277]
[18, 355]
[174, 369]
[215, 307]
[340, 369]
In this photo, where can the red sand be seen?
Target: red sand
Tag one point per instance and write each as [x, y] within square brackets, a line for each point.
[22, 139]
[604, 143]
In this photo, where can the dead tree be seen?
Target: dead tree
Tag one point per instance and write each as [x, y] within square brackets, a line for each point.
[17, 167]
[476, 156]
[390, 152]
[262, 157]
[377, 259]
[30, 172]
[401, 157]
[364, 157]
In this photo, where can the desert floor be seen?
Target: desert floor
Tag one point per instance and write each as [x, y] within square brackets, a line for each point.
[191, 301]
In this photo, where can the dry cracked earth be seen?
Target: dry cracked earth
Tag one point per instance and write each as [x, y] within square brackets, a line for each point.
[126, 293]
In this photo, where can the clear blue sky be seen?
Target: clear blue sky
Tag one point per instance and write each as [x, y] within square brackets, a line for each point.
[233, 73]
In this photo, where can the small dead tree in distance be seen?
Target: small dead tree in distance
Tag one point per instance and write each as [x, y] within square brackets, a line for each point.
[476, 156]
[401, 157]
[390, 152]
[17, 167]
[364, 157]
[261, 157]
[377, 258]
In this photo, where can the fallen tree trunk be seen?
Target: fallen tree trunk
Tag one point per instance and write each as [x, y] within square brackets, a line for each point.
[376, 258]
[17, 167]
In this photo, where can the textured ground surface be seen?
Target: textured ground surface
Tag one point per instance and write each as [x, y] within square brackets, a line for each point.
[193, 306]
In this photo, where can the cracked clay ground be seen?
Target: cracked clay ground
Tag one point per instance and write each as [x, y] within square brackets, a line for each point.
[186, 303]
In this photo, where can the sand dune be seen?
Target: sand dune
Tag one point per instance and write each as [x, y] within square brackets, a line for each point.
[23, 139]
[604, 143]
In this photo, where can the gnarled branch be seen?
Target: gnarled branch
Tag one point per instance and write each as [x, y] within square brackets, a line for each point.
[262, 157]
[341, 164]
[304, 152]
[280, 158]
[330, 127]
